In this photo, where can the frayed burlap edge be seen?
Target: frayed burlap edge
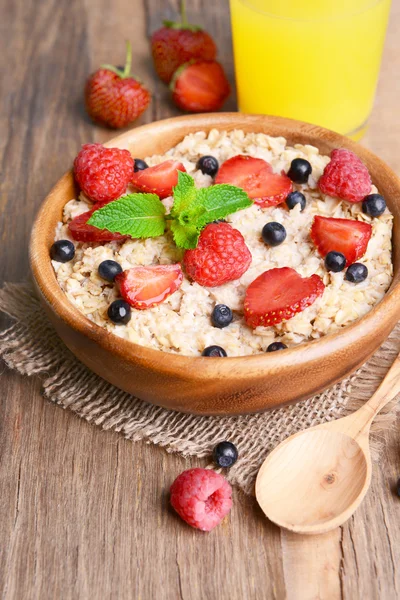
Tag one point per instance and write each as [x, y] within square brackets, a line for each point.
[31, 347]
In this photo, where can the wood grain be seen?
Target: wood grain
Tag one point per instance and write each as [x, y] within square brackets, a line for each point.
[83, 513]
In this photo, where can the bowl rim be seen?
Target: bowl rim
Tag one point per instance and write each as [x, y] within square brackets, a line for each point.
[234, 367]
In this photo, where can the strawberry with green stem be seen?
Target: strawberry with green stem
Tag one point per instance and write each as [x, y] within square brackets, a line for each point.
[114, 97]
[175, 44]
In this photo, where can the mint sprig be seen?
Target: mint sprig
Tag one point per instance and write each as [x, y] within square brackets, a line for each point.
[137, 215]
[143, 215]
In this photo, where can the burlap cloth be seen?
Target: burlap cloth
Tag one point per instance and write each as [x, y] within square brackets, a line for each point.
[31, 347]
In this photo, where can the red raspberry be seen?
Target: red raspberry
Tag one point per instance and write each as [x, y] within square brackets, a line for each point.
[103, 173]
[345, 177]
[201, 497]
[221, 256]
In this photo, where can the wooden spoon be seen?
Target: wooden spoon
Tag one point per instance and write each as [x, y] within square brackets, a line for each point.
[314, 481]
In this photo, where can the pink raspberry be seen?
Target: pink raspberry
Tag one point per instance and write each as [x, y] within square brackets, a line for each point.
[201, 497]
[345, 177]
[103, 173]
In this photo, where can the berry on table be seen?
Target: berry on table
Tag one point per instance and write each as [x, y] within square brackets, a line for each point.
[221, 316]
[335, 261]
[159, 179]
[114, 97]
[273, 233]
[139, 165]
[109, 269]
[295, 198]
[175, 44]
[201, 497]
[278, 294]
[276, 346]
[256, 177]
[82, 232]
[356, 273]
[208, 165]
[200, 87]
[347, 236]
[225, 454]
[345, 177]
[300, 170]
[214, 352]
[221, 256]
[145, 287]
[119, 312]
[62, 251]
[374, 205]
[103, 173]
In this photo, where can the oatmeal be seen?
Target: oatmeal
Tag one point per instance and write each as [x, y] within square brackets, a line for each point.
[182, 323]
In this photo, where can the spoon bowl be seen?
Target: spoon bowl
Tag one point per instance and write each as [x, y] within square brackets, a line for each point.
[314, 481]
[304, 495]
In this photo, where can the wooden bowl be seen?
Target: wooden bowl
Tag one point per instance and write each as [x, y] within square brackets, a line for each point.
[211, 385]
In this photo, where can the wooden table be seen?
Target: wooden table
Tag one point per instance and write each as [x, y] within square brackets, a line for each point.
[84, 513]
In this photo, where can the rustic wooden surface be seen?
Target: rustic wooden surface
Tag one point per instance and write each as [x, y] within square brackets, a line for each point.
[84, 513]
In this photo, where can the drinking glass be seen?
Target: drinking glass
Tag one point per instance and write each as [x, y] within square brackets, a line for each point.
[313, 60]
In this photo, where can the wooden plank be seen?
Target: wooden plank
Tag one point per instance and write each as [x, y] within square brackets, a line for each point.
[84, 513]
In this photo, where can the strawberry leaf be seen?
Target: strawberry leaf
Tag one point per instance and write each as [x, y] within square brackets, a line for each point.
[137, 215]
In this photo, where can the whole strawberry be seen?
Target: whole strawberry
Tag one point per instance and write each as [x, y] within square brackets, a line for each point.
[177, 43]
[113, 97]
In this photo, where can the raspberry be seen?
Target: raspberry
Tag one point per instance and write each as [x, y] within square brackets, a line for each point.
[201, 497]
[221, 256]
[103, 173]
[345, 177]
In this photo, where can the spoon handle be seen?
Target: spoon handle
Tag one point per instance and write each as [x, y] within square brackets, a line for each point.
[387, 390]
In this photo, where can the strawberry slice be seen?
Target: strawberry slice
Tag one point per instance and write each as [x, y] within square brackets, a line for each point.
[278, 294]
[82, 232]
[144, 287]
[256, 178]
[159, 179]
[347, 236]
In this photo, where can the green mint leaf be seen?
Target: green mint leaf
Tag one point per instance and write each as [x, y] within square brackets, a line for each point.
[184, 193]
[137, 215]
[219, 201]
[185, 236]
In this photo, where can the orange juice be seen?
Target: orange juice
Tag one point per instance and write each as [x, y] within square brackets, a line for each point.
[313, 60]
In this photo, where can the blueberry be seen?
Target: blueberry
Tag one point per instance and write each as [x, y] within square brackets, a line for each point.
[214, 351]
[62, 251]
[273, 234]
[374, 205]
[276, 346]
[296, 198]
[109, 269]
[221, 316]
[398, 487]
[220, 221]
[225, 454]
[335, 261]
[300, 170]
[356, 273]
[208, 165]
[139, 165]
[119, 312]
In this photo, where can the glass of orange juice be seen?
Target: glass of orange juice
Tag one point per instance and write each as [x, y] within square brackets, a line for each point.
[313, 60]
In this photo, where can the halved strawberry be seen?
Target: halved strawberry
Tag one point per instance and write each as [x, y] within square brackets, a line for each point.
[144, 287]
[82, 232]
[201, 86]
[347, 236]
[256, 178]
[159, 179]
[278, 294]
